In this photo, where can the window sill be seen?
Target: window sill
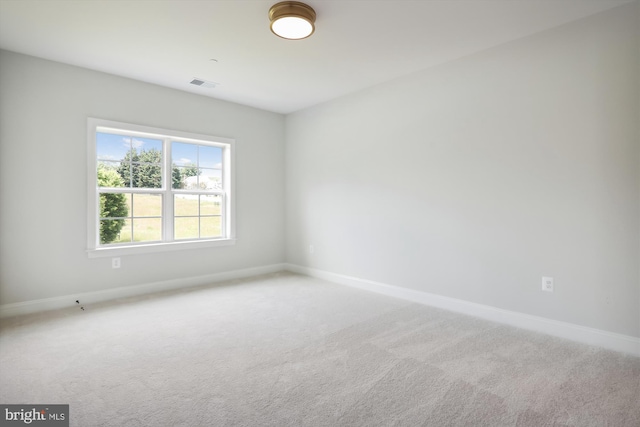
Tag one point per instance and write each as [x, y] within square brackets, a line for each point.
[156, 247]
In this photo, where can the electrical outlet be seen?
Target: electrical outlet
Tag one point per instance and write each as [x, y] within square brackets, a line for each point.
[311, 249]
[115, 262]
[547, 284]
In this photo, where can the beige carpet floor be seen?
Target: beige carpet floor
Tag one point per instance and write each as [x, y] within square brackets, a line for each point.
[288, 350]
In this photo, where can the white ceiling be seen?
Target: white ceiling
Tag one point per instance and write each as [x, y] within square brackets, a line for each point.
[357, 43]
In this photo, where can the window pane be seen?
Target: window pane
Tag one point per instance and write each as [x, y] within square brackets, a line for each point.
[108, 176]
[108, 165]
[141, 166]
[114, 205]
[147, 205]
[185, 205]
[186, 228]
[114, 208]
[147, 229]
[210, 179]
[210, 157]
[184, 154]
[125, 234]
[147, 175]
[185, 177]
[111, 147]
[128, 171]
[210, 205]
[137, 160]
[210, 226]
[177, 178]
[114, 231]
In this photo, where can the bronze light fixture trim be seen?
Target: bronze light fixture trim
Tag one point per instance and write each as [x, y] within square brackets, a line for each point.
[292, 20]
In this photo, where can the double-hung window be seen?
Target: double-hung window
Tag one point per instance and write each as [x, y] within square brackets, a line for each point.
[154, 189]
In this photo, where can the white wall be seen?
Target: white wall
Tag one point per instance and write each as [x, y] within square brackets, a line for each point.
[638, 136]
[43, 120]
[475, 178]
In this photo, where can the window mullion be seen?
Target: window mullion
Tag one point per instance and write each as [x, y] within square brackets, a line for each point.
[228, 196]
[167, 221]
[134, 190]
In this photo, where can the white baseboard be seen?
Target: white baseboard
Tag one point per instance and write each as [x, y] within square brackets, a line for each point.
[35, 306]
[612, 341]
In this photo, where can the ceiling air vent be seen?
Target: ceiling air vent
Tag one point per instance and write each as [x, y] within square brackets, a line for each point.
[203, 83]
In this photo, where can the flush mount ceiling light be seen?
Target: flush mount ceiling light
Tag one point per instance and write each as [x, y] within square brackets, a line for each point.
[292, 20]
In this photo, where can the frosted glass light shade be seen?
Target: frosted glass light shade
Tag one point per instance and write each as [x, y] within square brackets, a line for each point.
[292, 28]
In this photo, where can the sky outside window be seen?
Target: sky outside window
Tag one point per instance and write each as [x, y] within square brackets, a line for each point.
[112, 147]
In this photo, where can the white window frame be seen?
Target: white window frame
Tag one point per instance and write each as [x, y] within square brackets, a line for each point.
[95, 250]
